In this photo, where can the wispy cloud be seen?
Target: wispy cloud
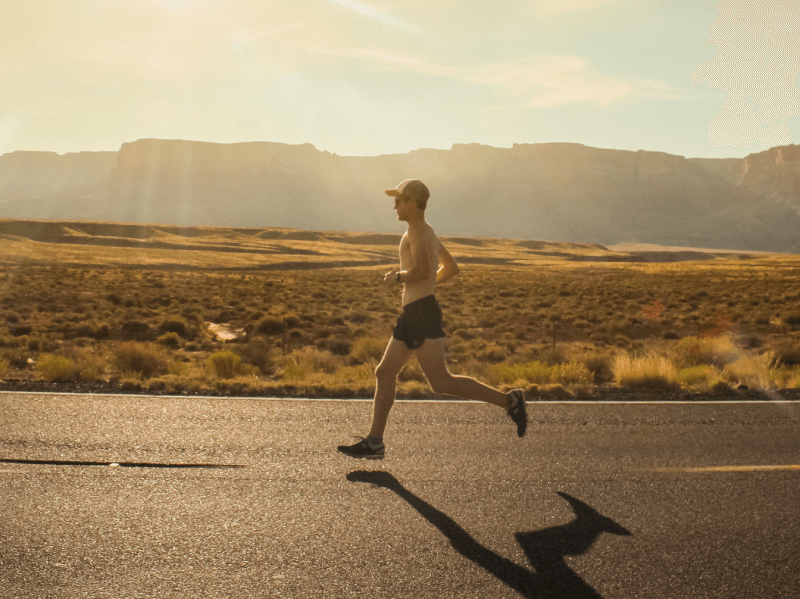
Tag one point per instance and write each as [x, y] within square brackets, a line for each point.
[368, 53]
[544, 7]
[551, 81]
[377, 15]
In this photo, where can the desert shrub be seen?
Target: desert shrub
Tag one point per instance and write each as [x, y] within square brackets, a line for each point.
[361, 375]
[753, 371]
[714, 351]
[339, 346]
[174, 325]
[697, 376]
[412, 371]
[787, 353]
[358, 317]
[17, 357]
[225, 364]
[792, 320]
[554, 356]
[222, 317]
[464, 334]
[19, 331]
[169, 340]
[135, 328]
[649, 371]
[307, 361]
[510, 374]
[3, 368]
[754, 342]
[492, 353]
[145, 359]
[255, 352]
[270, 325]
[571, 373]
[368, 348]
[600, 369]
[292, 320]
[56, 368]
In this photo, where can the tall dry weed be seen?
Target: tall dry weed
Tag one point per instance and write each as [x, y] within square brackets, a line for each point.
[714, 351]
[647, 372]
[754, 371]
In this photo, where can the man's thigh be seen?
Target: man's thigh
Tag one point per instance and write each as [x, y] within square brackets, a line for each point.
[395, 357]
[430, 356]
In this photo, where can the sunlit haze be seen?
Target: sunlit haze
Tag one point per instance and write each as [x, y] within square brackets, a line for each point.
[360, 78]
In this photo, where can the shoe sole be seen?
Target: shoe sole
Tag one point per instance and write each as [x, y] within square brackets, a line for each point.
[361, 457]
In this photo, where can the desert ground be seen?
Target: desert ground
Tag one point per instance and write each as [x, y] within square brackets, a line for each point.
[277, 312]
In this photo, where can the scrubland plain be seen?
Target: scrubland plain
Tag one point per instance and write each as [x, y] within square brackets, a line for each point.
[279, 312]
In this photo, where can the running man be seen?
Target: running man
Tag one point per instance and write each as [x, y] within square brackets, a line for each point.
[419, 328]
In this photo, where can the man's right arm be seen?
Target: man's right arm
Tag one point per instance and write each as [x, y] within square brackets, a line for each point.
[449, 268]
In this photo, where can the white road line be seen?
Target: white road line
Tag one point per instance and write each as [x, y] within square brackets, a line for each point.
[732, 468]
[449, 401]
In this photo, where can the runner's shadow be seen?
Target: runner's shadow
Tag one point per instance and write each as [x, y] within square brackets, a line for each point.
[545, 549]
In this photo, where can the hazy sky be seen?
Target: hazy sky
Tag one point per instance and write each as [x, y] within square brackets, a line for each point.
[360, 77]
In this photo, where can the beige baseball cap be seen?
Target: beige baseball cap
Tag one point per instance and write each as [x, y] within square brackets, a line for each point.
[410, 187]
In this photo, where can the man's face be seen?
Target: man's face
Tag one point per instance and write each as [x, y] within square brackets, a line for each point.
[403, 206]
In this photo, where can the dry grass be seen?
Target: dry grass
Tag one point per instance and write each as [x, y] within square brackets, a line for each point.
[647, 372]
[690, 324]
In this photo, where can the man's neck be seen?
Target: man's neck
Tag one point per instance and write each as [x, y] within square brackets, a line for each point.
[416, 222]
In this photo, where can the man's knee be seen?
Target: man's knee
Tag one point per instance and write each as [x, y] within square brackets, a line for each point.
[384, 372]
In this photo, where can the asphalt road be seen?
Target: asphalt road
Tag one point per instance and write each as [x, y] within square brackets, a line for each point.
[599, 500]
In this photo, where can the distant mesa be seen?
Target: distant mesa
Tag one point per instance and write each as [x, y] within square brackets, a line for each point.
[565, 192]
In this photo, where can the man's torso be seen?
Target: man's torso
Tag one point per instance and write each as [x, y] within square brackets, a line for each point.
[419, 289]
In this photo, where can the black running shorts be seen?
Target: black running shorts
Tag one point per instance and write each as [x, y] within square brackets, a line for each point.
[420, 320]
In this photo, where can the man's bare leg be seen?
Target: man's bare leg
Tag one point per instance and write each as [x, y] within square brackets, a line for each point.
[394, 358]
[431, 358]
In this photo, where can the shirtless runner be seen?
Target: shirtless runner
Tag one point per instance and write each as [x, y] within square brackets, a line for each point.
[419, 327]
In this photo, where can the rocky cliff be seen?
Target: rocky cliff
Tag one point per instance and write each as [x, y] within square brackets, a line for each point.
[554, 191]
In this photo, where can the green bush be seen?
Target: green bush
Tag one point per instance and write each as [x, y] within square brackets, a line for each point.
[509, 374]
[135, 328]
[365, 349]
[270, 325]
[255, 352]
[170, 339]
[56, 368]
[145, 359]
[600, 368]
[17, 357]
[714, 351]
[174, 325]
[696, 376]
[339, 347]
[225, 364]
[570, 374]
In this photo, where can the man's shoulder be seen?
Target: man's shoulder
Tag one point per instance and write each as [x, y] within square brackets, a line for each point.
[424, 230]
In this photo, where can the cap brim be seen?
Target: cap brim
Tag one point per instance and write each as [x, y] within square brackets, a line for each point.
[392, 192]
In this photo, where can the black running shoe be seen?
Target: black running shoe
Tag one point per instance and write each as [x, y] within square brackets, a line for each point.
[518, 412]
[364, 449]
